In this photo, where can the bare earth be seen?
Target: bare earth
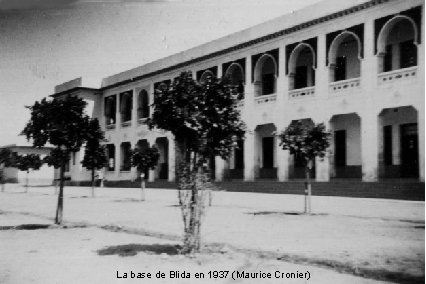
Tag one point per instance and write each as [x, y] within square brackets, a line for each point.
[346, 240]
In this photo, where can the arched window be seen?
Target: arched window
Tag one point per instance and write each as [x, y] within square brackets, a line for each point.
[344, 57]
[110, 110]
[143, 104]
[126, 106]
[111, 157]
[301, 67]
[205, 75]
[397, 44]
[235, 73]
[126, 153]
[265, 75]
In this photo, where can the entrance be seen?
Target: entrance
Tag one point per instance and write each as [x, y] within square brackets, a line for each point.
[409, 150]
[268, 152]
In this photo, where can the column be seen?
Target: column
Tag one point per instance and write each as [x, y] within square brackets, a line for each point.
[219, 168]
[172, 160]
[321, 72]
[281, 94]
[282, 163]
[369, 146]
[369, 116]
[151, 174]
[135, 108]
[322, 165]
[369, 65]
[117, 159]
[133, 170]
[249, 156]
[249, 135]
[117, 113]
[421, 109]
[421, 135]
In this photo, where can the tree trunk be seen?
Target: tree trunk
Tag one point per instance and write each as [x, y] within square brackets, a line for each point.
[308, 187]
[93, 182]
[142, 188]
[60, 207]
[26, 182]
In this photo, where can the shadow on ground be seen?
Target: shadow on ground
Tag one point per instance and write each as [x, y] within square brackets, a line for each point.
[285, 213]
[133, 249]
[26, 227]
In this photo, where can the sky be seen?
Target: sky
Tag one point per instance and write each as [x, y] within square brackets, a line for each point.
[44, 43]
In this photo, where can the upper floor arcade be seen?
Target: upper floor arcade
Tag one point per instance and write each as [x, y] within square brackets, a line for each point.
[321, 60]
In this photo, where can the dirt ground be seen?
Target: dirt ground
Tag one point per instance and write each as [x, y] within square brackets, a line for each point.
[345, 240]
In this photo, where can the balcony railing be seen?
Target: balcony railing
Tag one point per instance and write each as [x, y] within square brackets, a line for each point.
[344, 85]
[307, 92]
[265, 99]
[110, 126]
[397, 75]
[126, 123]
[142, 120]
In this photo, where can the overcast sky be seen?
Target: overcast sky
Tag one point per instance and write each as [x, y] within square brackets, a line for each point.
[46, 42]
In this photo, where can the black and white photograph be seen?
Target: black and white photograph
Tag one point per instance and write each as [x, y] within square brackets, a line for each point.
[212, 141]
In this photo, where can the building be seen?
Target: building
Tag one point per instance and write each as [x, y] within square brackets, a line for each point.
[357, 66]
[43, 176]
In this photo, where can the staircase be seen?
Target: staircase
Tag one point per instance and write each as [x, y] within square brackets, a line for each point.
[402, 189]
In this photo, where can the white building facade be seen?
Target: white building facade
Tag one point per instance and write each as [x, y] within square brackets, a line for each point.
[357, 66]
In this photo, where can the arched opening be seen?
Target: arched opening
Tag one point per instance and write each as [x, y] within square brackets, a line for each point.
[143, 104]
[236, 161]
[206, 74]
[345, 57]
[397, 44]
[126, 106]
[235, 73]
[398, 143]
[266, 151]
[126, 156]
[297, 163]
[110, 110]
[162, 170]
[345, 156]
[141, 145]
[110, 148]
[301, 67]
[265, 75]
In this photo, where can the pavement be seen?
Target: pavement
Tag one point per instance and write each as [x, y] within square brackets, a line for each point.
[349, 234]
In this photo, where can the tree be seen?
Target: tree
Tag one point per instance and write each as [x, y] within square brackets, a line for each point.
[306, 140]
[205, 122]
[143, 160]
[61, 122]
[26, 163]
[7, 159]
[95, 157]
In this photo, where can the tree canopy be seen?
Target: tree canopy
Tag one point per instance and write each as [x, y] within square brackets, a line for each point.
[203, 116]
[306, 139]
[144, 159]
[27, 162]
[95, 154]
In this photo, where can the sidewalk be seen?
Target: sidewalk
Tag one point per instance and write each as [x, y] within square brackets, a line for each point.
[366, 234]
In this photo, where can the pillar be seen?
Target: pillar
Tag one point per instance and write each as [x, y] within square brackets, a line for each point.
[282, 163]
[151, 175]
[219, 168]
[321, 73]
[117, 159]
[421, 135]
[172, 160]
[369, 146]
[249, 166]
[249, 141]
